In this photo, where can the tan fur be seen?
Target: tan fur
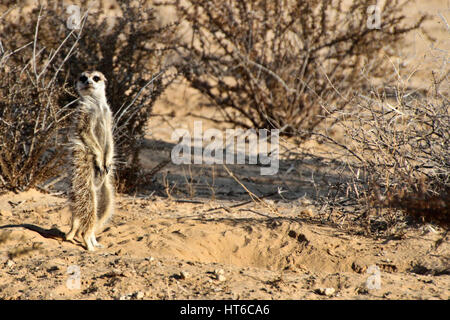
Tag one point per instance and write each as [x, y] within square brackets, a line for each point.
[92, 189]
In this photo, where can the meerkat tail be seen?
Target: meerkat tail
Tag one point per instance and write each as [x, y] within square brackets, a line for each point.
[89, 220]
[106, 201]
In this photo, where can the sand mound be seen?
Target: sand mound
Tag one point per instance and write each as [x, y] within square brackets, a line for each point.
[278, 244]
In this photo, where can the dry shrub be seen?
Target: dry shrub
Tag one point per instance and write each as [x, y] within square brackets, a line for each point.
[285, 64]
[402, 146]
[129, 48]
[29, 134]
[33, 116]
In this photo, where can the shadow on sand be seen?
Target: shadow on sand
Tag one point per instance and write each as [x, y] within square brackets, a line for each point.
[52, 233]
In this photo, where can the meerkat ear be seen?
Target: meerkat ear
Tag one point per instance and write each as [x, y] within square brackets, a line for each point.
[102, 76]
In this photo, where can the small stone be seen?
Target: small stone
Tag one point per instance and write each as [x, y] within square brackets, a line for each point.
[329, 291]
[221, 278]
[184, 275]
[219, 271]
[53, 269]
[307, 212]
[326, 291]
[362, 290]
[10, 263]
[139, 295]
[359, 267]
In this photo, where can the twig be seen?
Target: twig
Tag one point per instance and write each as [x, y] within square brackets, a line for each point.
[253, 196]
[188, 201]
[256, 212]
[124, 111]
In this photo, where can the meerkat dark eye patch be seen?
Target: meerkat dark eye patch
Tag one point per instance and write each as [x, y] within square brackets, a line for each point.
[83, 78]
[96, 78]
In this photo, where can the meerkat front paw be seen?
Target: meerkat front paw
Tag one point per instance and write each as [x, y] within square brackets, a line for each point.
[108, 166]
[99, 169]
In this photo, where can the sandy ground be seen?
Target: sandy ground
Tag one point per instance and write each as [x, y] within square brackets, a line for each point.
[160, 249]
[196, 234]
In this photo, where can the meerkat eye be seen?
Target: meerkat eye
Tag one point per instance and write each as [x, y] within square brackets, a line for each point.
[83, 78]
[96, 78]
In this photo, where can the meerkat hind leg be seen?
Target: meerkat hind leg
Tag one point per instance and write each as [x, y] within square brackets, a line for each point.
[95, 243]
[79, 234]
[75, 229]
[89, 239]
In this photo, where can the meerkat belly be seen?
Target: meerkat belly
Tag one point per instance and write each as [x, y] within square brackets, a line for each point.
[101, 130]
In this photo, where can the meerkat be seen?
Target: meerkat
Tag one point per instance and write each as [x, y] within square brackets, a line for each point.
[92, 155]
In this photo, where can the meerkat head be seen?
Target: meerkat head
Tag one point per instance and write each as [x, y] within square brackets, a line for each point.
[91, 83]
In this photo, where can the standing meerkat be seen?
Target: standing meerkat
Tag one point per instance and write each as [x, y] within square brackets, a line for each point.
[92, 152]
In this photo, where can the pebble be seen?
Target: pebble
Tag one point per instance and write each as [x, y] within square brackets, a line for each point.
[326, 291]
[307, 212]
[221, 278]
[219, 271]
[184, 275]
[10, 263]
[359, 267]
[53, 269]
[136, 295]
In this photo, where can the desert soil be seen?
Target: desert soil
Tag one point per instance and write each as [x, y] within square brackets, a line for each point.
[157, 248]
[195, 232]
